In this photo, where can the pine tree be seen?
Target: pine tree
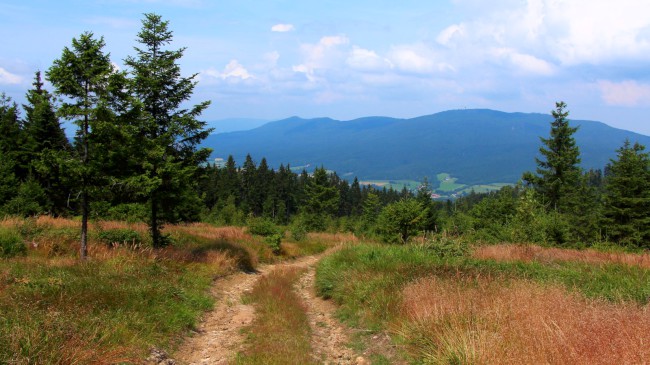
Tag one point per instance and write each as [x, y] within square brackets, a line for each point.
[41, 123]
[424, 197]
[627, 196]
[356, 198]
[12, 137]
[558, 174]
[169, 133]
[321, 199]
[82, 76]
[47, 145]
[248, 185]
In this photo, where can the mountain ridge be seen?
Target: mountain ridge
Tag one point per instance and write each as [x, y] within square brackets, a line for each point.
[477, 146]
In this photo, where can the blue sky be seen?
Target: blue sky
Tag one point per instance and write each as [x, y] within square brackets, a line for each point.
[346, 59]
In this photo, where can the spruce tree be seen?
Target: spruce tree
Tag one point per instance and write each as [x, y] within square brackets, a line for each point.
[82, 75]
[12, 137]
[424, 197]
[47, 145]
[321, 199]
[627, 196]
[558, 173]
[41, 123]
[169, 133]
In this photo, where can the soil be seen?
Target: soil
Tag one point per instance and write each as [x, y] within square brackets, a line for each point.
[219, 337]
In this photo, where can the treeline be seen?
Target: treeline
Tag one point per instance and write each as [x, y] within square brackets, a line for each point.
[321, 200]
[562, 204]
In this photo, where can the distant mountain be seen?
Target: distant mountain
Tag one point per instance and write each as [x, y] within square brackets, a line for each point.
[235, 124]
[476, 146]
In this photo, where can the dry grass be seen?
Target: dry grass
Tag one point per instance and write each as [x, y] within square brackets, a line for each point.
[333, 239]
[481, 321]
[210, 232]
[527, 253]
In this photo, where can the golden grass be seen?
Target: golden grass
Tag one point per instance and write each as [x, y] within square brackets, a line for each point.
[210, 232]
[527, 253]
[482, 321]
[333, 238]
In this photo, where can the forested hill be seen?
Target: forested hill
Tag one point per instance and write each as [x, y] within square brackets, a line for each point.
[477, 146]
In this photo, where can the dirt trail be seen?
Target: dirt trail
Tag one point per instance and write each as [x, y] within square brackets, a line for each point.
[329, 337]
[219, 337]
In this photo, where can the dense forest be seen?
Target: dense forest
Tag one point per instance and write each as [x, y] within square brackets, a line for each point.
[137, 157]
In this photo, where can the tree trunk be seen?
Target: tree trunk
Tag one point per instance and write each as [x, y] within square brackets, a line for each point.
[85, 206]
[155, 229]
[83, 251]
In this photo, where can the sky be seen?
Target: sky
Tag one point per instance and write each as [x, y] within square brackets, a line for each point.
[274, 59]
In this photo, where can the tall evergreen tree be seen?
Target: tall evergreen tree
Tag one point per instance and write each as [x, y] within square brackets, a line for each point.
[169, 133]
[249, 185]
[82, 76]
[424, 197]
[627, 196]
[558, 173]
[321, 199]
[41, 123]
[12, 137]
[47, 145]
[356, 198]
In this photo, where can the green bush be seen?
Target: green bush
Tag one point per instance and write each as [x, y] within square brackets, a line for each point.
[401, 220]
[263, 227]
[120, 236]
[11, 244]
[273, 242]
[448, 247]
[298, 231]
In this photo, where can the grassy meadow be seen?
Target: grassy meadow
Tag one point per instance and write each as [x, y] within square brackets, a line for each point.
[127, 297]
[443, 303]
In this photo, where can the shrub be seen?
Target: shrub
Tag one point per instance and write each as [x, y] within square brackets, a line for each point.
[298, 230]
[263, 227]
[273, 242]
[120, 236]
[11, 244]
[448, 247]
[399, 221]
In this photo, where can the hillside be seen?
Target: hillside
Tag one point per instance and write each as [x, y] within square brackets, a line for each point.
[476, 146]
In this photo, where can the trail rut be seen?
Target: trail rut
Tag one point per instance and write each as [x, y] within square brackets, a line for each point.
[219, 337]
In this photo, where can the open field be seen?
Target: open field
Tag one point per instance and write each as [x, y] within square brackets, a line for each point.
[395, 184]
[447, 183]
[126, 297]
[494, 306]
[447, 186]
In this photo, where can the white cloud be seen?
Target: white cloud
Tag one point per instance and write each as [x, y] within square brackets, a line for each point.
[525, 63]
[367, 60]
[417, 59]
[331, 41]
[282, 28]
[7, 78]
[571, 32]
[323, 55]
[233, 71]
[625, 93]
[450, 33]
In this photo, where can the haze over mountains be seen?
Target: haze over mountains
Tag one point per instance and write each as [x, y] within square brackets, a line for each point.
[477, 146]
